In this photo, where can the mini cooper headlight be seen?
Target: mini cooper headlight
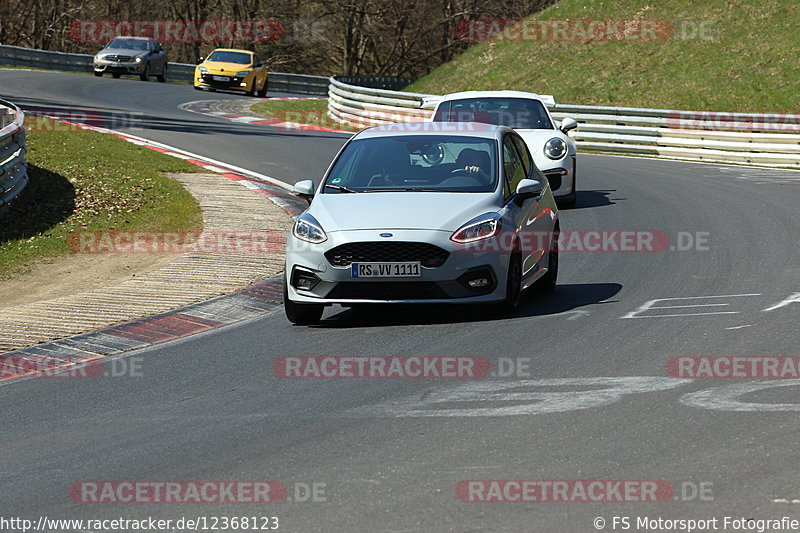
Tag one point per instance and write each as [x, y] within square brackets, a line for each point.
[477, 229]
[555, 148]
[242, 73]
[306, 228]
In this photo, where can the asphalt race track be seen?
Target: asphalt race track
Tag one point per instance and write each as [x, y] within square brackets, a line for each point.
[389, 453]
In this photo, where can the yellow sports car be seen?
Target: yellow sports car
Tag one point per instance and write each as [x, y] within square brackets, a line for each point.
[231, 69]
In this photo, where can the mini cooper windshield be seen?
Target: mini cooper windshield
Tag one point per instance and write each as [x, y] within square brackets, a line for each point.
[517, 113]
[415, 164]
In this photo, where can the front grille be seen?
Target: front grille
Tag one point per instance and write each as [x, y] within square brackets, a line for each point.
[390, 252]
[387, 290]
[118, 58]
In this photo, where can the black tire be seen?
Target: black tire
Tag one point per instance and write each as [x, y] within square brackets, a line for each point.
[547, 283]
[116, 75]
[146, 73]
[301, 314]
[513, 286]
[99, 73]
[263, 92]
[252, 91]
[163, 76]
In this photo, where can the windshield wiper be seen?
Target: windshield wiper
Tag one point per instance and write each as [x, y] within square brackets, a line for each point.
[405, 189]
[339, 188]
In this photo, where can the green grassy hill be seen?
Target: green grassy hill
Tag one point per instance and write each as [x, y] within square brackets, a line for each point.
[743, 56]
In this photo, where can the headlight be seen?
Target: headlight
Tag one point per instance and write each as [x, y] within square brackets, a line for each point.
[555, 148]
[306, 228]
[203, 70]
[138, 59]
[242, 74]
[477, 229]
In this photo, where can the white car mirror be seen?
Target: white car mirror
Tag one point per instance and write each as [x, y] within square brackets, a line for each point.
[528, 188]
[304, 189]
[568, 124]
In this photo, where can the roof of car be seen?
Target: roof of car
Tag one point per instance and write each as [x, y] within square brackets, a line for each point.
[231, 50]
[544, 98]
[134, 38]
[456, 129]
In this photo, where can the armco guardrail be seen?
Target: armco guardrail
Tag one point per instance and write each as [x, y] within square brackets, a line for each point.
[13, 167]
[16, 56]
[750, 138]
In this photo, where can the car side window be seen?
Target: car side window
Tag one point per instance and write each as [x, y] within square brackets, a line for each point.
[522, 148]
[513, 170]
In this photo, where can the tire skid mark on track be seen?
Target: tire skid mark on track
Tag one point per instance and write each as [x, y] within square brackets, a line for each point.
[205, 107]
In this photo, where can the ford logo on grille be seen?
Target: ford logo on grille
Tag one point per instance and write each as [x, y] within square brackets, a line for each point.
[386, 235]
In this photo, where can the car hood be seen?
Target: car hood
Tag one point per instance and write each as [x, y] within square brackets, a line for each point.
[220, 66]
[400, 210]
[121, 52]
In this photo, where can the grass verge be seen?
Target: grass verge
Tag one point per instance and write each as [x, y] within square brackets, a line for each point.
[715, 55]
[87, 181]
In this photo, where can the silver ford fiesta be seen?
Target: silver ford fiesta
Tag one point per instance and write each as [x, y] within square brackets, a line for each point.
[423, 212]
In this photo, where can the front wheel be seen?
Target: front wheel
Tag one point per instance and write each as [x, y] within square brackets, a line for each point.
[301, 314]
[163, 76]
[98, 73]
[263, 92]
[513, 285]
[146, 73]
[252, 91]
[547, 283]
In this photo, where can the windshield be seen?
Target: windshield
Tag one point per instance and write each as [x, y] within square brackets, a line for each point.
[230, 57]
[519, 113]
[430, 163]
[128, 44]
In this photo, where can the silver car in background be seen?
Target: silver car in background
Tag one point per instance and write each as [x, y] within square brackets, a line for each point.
[139, 56]
[423, 213]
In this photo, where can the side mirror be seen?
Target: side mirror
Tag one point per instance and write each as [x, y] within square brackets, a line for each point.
[568, 124]
[304, 189]
[257, 65]
[201, 59]
[529, 188]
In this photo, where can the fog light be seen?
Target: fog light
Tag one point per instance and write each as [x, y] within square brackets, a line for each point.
[303, 280]
[242, 84]
[478, 281]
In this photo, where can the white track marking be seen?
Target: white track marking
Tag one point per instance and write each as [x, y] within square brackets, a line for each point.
[651, 305]
[509, 398]
[793, 299]
[728, 398]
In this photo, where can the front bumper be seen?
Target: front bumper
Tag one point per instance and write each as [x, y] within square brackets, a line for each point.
[234, 83]
[562, 176]
[118, 67]
[447, 283]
